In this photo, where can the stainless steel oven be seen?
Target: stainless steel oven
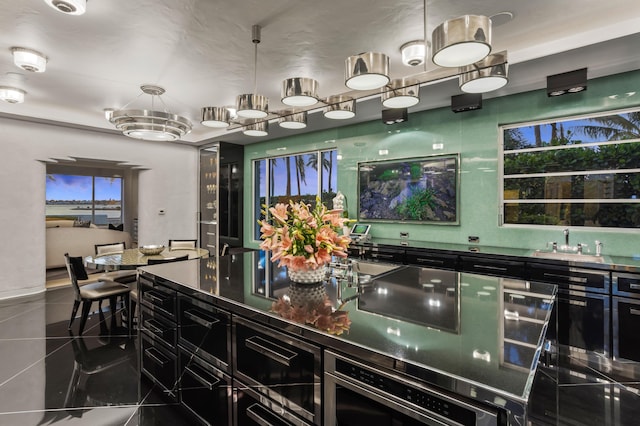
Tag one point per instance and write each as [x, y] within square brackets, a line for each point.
[205, 331]
[281, 367]
[359, 394]
[252, 408]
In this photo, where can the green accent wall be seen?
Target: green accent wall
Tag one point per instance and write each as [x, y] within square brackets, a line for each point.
[474, 135]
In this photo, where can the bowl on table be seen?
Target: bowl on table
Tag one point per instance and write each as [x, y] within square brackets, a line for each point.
[149, 250]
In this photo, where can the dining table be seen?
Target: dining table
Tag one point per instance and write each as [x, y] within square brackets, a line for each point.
[132, 258]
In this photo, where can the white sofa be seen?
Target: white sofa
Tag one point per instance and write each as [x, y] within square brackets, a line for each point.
[79, 242]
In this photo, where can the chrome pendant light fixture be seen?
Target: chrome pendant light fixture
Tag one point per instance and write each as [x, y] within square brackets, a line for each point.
[148, 124]
[12, 95]
[461, 41]
[217, 117]
[29, 60]
[484, 76]
[402, 93]
[293, 120]
[299, 92]
[340, 107]
[253, 105]
[70, 7]
[260, 128]
[367, 71]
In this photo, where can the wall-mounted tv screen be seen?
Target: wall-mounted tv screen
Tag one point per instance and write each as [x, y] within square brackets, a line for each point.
[409, 190]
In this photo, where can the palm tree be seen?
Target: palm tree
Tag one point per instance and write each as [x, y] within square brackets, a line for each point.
[300, 172]
[613, 127]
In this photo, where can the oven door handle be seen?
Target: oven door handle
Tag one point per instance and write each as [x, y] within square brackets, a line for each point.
[262, 348]
[199, 377]
[252, 413]
[208, 323]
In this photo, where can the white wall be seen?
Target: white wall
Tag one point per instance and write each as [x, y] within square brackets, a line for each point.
[170, 183]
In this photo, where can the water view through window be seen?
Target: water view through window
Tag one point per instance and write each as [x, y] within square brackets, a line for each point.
[93, 199]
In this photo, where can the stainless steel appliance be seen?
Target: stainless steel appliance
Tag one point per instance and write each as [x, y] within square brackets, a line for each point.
[359, 394]
[252, 408]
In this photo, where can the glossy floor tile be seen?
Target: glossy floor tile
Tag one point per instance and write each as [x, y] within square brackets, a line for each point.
[50, 375]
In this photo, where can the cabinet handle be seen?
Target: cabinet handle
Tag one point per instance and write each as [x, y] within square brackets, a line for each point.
[153, 298]
[199, 377]
[384, 256]
[634, 286]
[490, 268]
[634, 311]
[151, 325]
[577, 303]
[430, 261]
[208, 323]
[158, 359]
[284, 359]
[581, 280]
[252, 413]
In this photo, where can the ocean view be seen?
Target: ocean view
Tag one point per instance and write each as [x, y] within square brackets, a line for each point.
[103, 215]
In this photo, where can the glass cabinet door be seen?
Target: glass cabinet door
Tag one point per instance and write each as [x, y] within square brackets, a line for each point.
[208, 216]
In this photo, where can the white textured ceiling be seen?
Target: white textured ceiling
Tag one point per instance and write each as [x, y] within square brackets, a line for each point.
[201, 52]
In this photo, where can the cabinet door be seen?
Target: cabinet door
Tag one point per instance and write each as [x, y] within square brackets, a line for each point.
[627, 285]
[432, 259]
[626, 323]
[496, 267]
[570, 278]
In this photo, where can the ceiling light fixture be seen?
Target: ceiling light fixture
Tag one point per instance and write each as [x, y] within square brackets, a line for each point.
[394, 116]
[299, 91]
[149, 124]
[293, 120]
[259, 128]
[217, 117]
[486, 75]
[367, 71]
[253, 105]
[340, 107]
[12, 95]
[70, 7]
[567, 82]
[461, 41]
[414, 53]
[29, 60]
[403, 93]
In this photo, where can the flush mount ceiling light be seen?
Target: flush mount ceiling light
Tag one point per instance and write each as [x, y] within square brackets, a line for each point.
[253, 105]
[218, 117]
[12, 95]
[149, 124]
[293, 120]
[70, 7]
[367, 71]
[486, 75]
[260, 128]
[29, 60]
[402, 93]
[340, 107]
[567, 82]
[299, 91]
[461, 41]
[413, 53]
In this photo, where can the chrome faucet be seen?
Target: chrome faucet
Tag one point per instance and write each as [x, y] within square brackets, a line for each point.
[598, 248]
[566, 237]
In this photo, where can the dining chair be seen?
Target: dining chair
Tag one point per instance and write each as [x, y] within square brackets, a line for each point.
[121, 276]
[183, 244]
[167, 260]
[95, 291]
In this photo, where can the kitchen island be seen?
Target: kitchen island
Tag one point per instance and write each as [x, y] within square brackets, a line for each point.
[421, 346]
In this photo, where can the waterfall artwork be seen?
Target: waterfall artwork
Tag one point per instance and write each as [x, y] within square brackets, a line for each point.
[421, 190]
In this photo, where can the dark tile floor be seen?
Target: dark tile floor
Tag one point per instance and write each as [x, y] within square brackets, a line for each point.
[51, 376]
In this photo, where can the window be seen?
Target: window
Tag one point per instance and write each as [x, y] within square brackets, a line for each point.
[94, 199]
[580, 172]
[300, 177]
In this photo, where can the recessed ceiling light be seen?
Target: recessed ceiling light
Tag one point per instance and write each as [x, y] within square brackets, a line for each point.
[69, 7]
[29, 60]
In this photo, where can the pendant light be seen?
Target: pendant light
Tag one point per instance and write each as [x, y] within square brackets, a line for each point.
[461, 41]
[402, 93]
[253, 105]
[217, 117]
[340, 107]
[299, 92]
[367, 71]
[484, 76]
[260, 128]
[293, 120]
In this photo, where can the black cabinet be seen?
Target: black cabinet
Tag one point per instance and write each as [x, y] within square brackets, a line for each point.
[570, 278]
[384, 253]
[492, 266]
[626, 323]
[432, 259]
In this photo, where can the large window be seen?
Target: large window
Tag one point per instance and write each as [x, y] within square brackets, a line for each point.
[580, 172]
[300, 177]
[93, 199]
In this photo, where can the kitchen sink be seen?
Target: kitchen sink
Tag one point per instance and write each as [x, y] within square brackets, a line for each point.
[373, 268]
[569, 257]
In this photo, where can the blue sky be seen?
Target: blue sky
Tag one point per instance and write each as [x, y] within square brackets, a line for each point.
[69, 187]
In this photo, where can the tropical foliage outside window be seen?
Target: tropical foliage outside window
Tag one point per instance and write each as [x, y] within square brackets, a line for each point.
[94, 199]
[579, 172]
[300, 178]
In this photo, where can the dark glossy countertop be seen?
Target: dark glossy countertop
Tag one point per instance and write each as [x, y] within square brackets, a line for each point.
[613, 263]
[447, 328]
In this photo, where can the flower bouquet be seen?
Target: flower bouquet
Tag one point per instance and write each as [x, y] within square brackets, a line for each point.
[303, 238]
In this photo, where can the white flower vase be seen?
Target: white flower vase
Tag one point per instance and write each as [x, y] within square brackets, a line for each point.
[308, 276]
[308, 295]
